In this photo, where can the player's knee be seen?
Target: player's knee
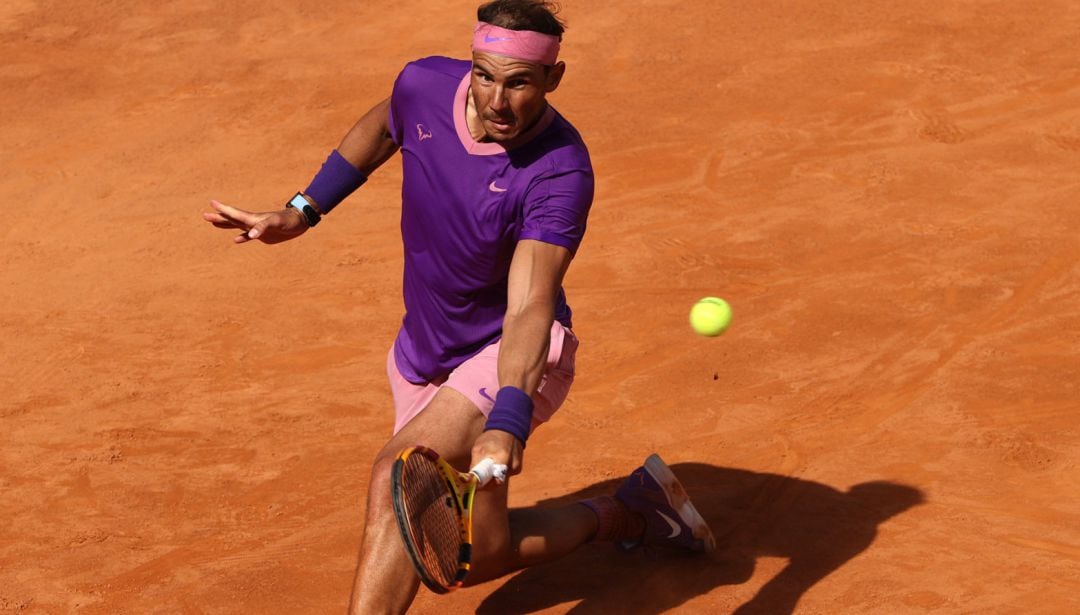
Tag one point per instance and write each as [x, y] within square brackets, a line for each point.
[493, 556]
[490, 565]
[379, 502]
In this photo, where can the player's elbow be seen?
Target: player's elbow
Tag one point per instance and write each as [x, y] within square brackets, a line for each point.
[539, 311]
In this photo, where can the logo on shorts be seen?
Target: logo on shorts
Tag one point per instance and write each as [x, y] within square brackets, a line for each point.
[483, 393]
[422, 132]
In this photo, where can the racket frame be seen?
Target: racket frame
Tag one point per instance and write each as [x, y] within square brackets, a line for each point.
[462, 489]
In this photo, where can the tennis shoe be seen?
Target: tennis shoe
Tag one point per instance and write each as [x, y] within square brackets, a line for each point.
[671, 520]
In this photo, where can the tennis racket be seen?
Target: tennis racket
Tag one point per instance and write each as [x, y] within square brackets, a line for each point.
[433, 504]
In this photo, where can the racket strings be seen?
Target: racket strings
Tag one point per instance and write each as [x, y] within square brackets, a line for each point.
[433, 517]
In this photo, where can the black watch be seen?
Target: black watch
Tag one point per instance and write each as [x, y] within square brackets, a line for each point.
[311, 215]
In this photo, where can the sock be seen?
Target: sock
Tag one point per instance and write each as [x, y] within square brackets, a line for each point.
[615, 522]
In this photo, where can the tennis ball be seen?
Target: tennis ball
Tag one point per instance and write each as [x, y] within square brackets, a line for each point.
[710, 316]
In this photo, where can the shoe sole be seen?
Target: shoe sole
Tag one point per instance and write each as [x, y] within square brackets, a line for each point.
[680, 501]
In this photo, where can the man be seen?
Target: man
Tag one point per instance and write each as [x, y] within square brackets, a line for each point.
[496, 191]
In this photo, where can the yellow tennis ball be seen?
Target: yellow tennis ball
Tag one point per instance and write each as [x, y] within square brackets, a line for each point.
[710, 316]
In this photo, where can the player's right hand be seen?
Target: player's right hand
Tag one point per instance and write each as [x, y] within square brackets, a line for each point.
[267, 227]
[501, 447]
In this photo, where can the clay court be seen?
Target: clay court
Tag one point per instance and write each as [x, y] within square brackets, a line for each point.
[886, 193]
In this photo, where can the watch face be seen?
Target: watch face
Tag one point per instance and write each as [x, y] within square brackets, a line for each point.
[310, 213]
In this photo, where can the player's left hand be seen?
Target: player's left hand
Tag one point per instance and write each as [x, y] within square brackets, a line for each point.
[267, 227]
[500, 446]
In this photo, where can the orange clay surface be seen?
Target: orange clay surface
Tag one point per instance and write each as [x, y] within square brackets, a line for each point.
[886, 193]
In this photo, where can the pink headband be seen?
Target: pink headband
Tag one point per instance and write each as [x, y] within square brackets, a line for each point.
[520, 44]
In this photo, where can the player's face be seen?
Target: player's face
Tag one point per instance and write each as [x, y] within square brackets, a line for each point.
[509, 94]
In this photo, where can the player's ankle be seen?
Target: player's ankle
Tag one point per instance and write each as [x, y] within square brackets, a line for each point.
[615, 522]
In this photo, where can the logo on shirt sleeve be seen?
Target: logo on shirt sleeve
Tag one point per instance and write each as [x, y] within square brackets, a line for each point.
[422, 132]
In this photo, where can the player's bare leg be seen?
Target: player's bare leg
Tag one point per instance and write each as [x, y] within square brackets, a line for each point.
[527, 536]
[385, 579]
[504, 540]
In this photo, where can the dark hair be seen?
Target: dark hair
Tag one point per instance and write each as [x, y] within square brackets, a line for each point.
[534, 15]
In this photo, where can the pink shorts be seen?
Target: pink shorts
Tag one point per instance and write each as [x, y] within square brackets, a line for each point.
[478, 380]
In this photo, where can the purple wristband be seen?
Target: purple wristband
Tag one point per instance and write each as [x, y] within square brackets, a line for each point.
[336, 180]
[512, 413]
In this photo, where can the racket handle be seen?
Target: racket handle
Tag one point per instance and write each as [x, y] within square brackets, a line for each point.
[487, 469]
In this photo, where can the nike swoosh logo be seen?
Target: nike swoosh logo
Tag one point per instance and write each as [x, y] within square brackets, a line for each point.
[483, 393]
[675, 529]
[495, 39]
[492, 187]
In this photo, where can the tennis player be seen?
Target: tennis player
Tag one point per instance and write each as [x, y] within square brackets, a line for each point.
[496, 191]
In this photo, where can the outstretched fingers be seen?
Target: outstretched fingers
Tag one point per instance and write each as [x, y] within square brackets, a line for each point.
[227, 217]
[227, 213]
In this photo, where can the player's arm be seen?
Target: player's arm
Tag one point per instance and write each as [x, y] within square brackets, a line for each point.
[363, 150]
[536, 274]
[369, 144]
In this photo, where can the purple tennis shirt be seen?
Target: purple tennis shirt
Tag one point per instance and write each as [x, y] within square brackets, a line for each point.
[465, 205]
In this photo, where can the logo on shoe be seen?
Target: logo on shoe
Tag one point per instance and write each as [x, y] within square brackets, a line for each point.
[675, 528]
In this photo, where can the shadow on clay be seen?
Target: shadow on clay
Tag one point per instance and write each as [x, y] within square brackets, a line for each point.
[816, 527]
